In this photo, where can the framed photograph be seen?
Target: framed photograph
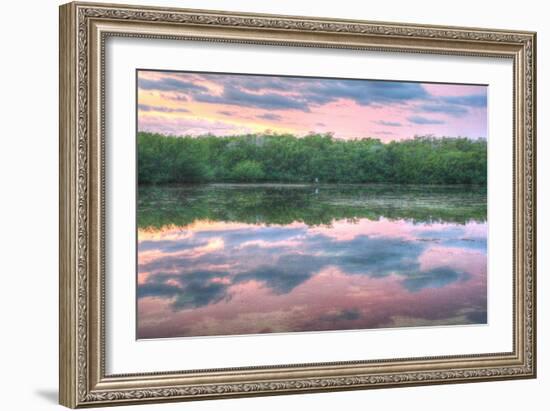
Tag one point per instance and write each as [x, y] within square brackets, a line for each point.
[259, 204]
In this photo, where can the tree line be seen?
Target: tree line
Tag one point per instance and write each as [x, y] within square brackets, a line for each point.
[318, 158]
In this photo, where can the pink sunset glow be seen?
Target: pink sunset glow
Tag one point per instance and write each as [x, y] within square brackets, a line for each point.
[438, 277]
[183, 103]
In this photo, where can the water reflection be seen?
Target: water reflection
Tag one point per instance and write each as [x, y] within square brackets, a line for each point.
[360, 266]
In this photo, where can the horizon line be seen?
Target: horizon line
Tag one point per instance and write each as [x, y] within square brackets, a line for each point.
[331, 134]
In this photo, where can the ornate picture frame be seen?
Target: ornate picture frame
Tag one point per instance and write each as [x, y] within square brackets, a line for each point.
[84, 29]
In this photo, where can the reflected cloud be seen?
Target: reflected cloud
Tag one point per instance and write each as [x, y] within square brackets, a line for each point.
[190, 290]
[350, 314]
[436, 278]
[213, 278]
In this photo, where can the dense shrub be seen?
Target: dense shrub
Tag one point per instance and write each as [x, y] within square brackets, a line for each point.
[248, 170]
[316, 157]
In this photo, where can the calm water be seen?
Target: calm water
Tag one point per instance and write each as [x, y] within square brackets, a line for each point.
[245, 259]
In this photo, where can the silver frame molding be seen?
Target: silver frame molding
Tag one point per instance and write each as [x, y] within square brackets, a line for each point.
[84, 28]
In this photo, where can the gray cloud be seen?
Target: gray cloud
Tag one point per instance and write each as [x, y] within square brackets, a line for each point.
[195, 289]
[472, 100]
[170, 84]
[450, 109]
[270, 116]
[344, 315]
[234, 96]
[303, 94]
[280, 268]
[296, 93]
[423, 120]
[477, 317]
[363, 92]
[436, 278]
[146, 107]
[388, 123]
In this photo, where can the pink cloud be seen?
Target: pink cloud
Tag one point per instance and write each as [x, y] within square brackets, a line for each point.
[328, 298]
[302, 105]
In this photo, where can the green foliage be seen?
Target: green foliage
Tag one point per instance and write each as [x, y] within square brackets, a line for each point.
[319, 158]
[319, 204]
[171, 160]
[247, 171]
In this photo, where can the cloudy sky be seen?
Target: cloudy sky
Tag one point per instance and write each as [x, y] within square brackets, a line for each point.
[182, 103]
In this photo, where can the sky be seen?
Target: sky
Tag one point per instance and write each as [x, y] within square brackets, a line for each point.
[185, 103]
